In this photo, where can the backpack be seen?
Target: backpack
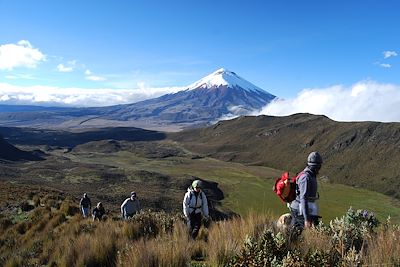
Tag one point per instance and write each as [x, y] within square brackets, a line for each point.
[285, 187]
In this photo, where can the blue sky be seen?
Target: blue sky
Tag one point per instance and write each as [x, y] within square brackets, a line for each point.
[142, 48]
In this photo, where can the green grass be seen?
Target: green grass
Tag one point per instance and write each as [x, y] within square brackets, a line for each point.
[249, 188]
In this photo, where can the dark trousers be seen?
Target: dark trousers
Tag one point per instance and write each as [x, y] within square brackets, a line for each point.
[298, 222]
[195, 224]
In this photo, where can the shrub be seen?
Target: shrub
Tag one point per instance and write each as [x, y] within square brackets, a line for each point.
[351, 230]
[269, 249]
[25, 206]
[5, 223]
[149, 224]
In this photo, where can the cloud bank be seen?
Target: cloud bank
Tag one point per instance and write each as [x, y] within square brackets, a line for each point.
[21, 54]
[77, 97]
[363, 101]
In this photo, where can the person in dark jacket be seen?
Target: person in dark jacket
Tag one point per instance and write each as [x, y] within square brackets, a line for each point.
[195, 207]
[304, 208]
[98, 212]
[85, 205]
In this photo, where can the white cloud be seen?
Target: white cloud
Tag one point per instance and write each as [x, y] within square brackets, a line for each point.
[91, 77]
[95, 78]
[62, 68]
[363, 101]
[67, 67]
[21, 54]
[80, 97]
[385, 65]
[388, 54]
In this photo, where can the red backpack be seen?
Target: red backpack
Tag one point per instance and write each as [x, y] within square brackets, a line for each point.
[285, 188]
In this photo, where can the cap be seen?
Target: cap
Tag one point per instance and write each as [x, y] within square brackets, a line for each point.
[196, 183]
[133, 194]
[314, 158]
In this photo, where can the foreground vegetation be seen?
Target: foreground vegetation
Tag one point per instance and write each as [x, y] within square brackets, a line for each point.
[48, 230]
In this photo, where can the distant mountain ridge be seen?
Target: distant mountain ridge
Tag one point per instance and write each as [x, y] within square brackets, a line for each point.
[361, 154]
[220, 94]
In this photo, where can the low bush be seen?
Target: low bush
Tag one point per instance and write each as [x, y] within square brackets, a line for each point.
[149, 224]
[25, 206]
[5, 223]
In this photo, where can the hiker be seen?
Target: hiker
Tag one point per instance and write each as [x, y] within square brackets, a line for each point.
[304, 208]
[85, 205]
[195, 207]
[98, 212]
[130, 206]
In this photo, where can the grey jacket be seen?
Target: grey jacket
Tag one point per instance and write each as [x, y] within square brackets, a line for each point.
[130, 207]
[198, 204]
[306, 192]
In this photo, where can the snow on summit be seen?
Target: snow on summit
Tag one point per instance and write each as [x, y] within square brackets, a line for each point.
[224, 77]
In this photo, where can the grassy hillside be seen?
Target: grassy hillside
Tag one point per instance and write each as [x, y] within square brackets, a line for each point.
[160, 172]
[360, 154]
[45, 228]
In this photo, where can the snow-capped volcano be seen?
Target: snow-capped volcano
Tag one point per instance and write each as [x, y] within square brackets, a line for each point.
[224, 77]
[219, 95]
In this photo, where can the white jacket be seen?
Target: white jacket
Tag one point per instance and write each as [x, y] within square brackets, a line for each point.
[197, 204]
[130, 207]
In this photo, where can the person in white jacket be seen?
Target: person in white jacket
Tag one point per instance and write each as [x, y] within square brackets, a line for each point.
[195, 207]
[130, 206]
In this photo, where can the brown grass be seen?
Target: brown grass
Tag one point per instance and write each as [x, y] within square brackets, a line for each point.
[48, 237]
[165, 250]
[384, 248]
[226, 237]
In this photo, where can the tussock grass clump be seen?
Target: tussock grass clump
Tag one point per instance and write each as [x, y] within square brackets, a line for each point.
[226, 237]
[168, 249]
[36, 200]
[384, 247]
[14, 262]
[68, 207]
[98, 249]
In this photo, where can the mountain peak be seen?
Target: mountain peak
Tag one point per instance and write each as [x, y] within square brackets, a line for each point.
[224, 77]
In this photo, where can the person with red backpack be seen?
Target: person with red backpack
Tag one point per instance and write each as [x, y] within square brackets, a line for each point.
[304, 208]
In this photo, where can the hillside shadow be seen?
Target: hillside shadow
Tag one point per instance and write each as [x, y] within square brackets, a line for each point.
[9, 152]
[214, 196]
[30, 136]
